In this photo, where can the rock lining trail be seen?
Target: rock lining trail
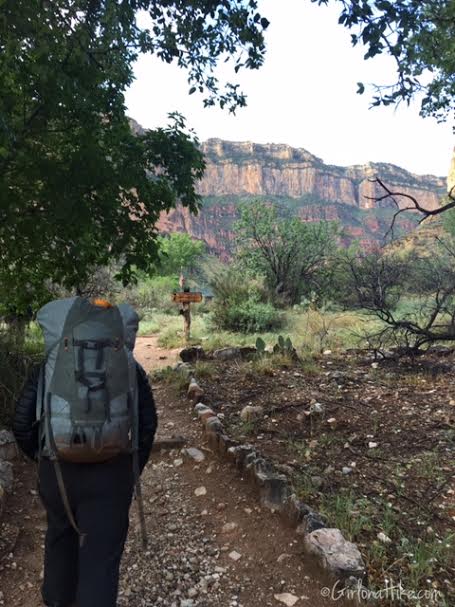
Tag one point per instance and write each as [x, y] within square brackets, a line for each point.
[210, 542]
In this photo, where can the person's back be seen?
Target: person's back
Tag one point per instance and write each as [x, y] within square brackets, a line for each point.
[73, 417]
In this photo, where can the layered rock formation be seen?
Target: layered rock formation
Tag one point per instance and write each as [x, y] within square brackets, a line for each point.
[301, 181]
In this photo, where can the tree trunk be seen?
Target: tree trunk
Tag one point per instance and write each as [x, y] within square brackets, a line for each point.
[16, 331]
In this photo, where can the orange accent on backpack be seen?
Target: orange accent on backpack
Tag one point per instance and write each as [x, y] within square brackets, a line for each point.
[102, 303]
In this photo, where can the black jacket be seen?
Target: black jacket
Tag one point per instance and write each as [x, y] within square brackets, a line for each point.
[25, 425]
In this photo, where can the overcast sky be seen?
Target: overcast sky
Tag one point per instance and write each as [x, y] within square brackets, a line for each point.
[305, 96]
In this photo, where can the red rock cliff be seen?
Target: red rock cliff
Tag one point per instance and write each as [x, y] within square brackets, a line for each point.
[316, 191]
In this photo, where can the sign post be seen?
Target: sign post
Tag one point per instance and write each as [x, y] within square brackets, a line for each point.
[185, 299]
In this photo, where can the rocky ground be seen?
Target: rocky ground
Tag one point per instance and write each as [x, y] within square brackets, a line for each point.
[370, 445]
[211, 544]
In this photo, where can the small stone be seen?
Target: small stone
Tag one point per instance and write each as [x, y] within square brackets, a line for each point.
[8, 448]
[317, 408]
[199, 491]
[195, 454]
[227, 354]
[177, 462]
[234, 555]
[283, 557]
[205, 414]
[346, 470]
[6, 476]
[311, 521]
[229, 527]
[336, 554]
[372, 445]
[385, 539]
[250, 413]
[286, 598]
[192, 354]
[195, 392]
[200, 407]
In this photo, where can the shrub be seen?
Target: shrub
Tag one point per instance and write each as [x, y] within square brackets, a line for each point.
[154, 292]
[16, 359]
[240, 302]
[249, 316]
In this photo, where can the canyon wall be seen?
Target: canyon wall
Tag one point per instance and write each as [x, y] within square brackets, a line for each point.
[296, 178]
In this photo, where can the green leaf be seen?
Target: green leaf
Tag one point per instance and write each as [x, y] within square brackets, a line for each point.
[81, 185]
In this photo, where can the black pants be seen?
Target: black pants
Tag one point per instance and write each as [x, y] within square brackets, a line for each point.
[100, 496]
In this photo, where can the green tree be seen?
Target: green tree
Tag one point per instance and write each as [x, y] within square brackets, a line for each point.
[177, 252]
[291, 255]
[78, 188]
[420, 36]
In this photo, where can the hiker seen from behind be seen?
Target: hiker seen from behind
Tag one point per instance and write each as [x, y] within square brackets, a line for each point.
[87, 416]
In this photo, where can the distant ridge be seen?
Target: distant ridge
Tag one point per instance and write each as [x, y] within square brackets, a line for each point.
[298, 179]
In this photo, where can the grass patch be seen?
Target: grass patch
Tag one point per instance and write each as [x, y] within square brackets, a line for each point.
[176, 379]
[305, 488]
[351, 515]
[204, 370]
[421, 558]
[245, 429]
[267, 365]
[311, 331]
[149, 327]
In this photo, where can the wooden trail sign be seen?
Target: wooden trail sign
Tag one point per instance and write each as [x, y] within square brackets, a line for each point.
[187, 297]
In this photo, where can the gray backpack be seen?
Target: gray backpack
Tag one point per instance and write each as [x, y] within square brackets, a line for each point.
[87, 393]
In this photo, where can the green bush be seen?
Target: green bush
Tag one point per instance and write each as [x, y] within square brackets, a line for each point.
[155, 293]
[240, 301]
[249, 316]
[16, 359]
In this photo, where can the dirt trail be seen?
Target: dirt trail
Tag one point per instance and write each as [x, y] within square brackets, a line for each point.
[189, 560]
[151, 356]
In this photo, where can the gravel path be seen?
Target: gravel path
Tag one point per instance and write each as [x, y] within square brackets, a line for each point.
[196, 538]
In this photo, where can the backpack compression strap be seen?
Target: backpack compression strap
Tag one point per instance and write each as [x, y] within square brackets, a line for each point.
[66, 504]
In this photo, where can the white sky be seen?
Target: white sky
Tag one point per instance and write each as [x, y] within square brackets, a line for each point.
[304, 95]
